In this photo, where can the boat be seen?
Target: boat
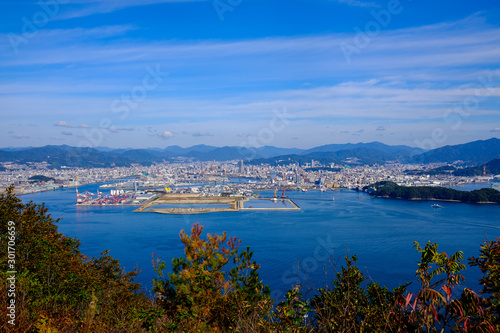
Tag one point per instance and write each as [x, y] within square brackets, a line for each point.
[436, 206]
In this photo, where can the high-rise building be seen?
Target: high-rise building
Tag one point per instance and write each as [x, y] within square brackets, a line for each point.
[241, 169]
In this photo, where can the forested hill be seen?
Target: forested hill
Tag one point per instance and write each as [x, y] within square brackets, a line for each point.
[492, 168]
[475, 152]
[392, 190]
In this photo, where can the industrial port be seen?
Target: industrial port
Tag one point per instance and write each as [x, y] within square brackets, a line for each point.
[175, 202]
[116, 197]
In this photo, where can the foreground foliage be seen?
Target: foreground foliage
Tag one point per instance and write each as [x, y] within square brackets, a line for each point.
[58, 289]
[215, 287]
[202, 294]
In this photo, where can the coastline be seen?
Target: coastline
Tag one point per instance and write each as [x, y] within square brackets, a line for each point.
[434, 199]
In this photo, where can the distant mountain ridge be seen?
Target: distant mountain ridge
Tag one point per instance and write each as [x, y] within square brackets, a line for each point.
[373, 145]
[361, 155]
[58, 156]
[474, 153]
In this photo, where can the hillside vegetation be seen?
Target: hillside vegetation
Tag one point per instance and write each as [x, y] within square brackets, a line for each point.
[215, 287]
[476, 152]
[491, 168]
[390, 189]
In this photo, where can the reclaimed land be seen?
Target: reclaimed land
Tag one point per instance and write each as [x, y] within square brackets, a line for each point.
[234, 204]
[180, 199]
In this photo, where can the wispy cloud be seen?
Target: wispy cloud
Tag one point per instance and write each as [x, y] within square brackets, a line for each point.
[20, 136]
[63, 123]
[92, 7]
[412, 75]
[358, 3]
[199, 134]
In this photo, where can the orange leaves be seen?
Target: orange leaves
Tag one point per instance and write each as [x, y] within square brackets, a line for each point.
[408, 299]
[432, 307]
[234, 243]
[447, 290]
[196, 231]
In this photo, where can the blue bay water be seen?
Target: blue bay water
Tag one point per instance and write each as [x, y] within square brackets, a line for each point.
[293, 247]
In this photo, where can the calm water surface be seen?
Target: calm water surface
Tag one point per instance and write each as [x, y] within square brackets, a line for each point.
[291, 246]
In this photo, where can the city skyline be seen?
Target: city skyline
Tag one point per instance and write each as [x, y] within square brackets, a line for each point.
[157, 73]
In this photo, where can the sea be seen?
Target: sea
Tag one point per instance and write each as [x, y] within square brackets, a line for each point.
[305, 247]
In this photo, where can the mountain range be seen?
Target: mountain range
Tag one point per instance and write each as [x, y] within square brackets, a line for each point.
[473, 153]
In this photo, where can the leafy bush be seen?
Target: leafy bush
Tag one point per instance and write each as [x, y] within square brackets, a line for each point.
[214, 288]
[58, 289]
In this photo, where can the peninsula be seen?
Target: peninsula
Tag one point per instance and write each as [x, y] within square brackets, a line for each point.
[388, 189]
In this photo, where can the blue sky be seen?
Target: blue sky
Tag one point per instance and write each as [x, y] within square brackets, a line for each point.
[155, 73]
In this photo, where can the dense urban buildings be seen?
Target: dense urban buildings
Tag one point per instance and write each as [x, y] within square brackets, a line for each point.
[216, 178]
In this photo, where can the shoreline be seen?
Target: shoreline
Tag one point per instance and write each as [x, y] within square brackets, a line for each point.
[434, 199]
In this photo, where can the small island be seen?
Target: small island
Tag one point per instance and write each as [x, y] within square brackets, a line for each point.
[388, 189]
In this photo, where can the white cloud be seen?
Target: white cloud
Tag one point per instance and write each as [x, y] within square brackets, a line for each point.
[62, 123]
[166, 135]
